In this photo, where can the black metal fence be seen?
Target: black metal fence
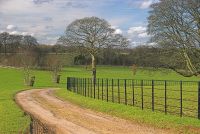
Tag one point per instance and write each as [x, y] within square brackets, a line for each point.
[173, 97]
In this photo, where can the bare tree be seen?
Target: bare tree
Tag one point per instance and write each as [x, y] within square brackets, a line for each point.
[28, 60]
[54, 62]
[175, 24]
[90, 34]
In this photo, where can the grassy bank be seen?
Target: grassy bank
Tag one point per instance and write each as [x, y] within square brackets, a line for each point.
[156, 119]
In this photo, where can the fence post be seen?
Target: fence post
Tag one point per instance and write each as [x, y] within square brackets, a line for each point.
[94, 85]
[112, 92]
[88, 82]
[142, 94]
[67, 83]
[133, 93]
[125, 95]
[91, 87]
[199, 100]
[165, 97]
[152, 95]
[71, 84]
[181, 98]
[85, 86]
[118, 91]
[81, 89]
[107, 90]
[74, 84]
[98, 88]
[82, 86]
[102, 89]
[77, 88]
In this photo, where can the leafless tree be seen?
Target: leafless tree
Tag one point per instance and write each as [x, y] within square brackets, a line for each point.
[175, 24]
[54, 62]
[90, 34]
[28, 61]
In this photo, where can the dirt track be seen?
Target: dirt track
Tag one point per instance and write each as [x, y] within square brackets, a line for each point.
[71, 119]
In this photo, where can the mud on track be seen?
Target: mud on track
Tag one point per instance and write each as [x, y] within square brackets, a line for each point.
[72, 119]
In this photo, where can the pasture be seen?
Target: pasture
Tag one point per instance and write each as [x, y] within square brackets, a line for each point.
[11, 81]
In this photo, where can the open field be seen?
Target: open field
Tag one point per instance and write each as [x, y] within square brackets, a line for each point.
[11, 81]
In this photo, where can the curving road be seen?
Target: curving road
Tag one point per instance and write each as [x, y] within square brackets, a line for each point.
[71, 119]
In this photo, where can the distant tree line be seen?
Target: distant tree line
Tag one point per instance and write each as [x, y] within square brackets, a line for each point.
[14, 47]
[15, 43]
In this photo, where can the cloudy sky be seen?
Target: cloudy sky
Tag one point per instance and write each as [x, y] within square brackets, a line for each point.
[47, 19]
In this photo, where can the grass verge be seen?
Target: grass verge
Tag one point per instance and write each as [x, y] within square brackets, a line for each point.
[154, 119]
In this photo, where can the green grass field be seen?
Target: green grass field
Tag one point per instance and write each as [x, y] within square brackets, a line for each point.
[12, 119]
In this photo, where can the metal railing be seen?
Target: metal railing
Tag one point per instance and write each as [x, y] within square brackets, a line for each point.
[171, 97]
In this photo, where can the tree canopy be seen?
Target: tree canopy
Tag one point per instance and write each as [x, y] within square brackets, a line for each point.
[90, 34]
[176, 24]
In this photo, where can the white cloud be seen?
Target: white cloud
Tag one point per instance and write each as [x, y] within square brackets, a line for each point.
[146, 4]
[32, 34]
[14, 32]
[143, 35]
[118, 31]
[138, 35]
[11, 27]
[142, 4]
[152, 43]
[24, 33]
[138, 43]
[21, 33]
[114, 27]
[134, 30]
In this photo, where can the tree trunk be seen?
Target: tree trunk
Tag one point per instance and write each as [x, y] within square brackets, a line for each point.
[189, 63]
[94, 68]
